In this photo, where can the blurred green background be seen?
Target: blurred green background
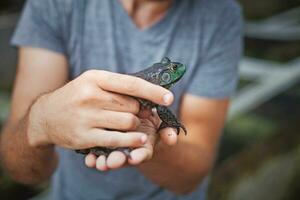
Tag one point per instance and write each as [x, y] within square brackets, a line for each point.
[260, 151]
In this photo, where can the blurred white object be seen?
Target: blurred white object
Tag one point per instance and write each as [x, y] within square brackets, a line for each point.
[269, 79]
[282, 27]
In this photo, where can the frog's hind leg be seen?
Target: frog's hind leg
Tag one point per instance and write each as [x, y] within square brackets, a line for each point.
[169, 119]
[104, 151]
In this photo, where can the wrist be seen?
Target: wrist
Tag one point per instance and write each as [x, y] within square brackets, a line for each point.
[36, 129]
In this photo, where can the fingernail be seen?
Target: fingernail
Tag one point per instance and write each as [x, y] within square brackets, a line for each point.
[168, 98]
[172, 132]
[144, 138]
[135, 157]
[132, 156]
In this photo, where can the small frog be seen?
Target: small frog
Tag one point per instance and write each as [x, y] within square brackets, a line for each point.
[165, 74]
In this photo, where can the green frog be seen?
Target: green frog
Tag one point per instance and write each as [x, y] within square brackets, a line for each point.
[165, 74]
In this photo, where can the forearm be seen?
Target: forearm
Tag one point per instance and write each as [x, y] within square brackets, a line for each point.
[25, 164]
[179, 168]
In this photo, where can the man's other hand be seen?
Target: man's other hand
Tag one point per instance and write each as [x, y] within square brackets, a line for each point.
[117, 159]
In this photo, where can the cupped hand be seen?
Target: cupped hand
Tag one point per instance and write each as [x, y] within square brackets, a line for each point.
[138, 155]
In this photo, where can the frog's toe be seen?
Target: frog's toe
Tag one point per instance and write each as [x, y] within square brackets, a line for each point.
[83, 151]
[125, 151]
[163, 125]
[104, 151]
[176, 126]
[183, 128]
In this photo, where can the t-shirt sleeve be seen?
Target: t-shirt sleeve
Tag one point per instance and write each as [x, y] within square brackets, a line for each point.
[217, 74]
[40, 26]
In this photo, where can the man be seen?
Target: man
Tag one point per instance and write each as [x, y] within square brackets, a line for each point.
[90, 43]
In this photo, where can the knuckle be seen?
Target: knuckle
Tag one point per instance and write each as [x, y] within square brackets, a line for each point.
[112, 77]
[87, 92]
[113, 142]
[131, 122]
[90, 73]
[110, 99]
[150, 154]
[99, 96]
[131, 84]
[79, 140]
[74, 142]
[110, 141]
[101, 72]
[135, 106]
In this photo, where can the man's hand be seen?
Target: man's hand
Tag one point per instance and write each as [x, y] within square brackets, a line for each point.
[77, 115]
[139, 155]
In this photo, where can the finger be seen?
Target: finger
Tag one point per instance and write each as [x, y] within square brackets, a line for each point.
[168, 136]
[139, 155]
[101, 163]
[133, 86]
[116, 102]
[115, 120]
[90, 160]
[105, 138]
[144, 153]
[116, 160]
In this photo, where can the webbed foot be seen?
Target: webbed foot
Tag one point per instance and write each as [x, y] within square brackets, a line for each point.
[103, 151]
[169, 120]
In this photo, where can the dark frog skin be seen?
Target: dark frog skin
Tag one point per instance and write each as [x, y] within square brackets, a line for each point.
[165, 74]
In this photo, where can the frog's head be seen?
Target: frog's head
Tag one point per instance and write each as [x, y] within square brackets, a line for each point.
[170, 72]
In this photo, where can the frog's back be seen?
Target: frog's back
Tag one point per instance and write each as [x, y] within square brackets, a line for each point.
[150, 73]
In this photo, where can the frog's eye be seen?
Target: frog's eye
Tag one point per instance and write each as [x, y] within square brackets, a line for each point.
[166, 77]
[165, 60]
[174, 67]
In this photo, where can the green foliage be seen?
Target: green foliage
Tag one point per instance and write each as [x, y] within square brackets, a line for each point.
[250, 128]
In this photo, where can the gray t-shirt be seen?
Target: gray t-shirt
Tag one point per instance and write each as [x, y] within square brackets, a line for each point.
[98, 34]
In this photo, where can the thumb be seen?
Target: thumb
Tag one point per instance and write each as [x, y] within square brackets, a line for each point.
[168, 136]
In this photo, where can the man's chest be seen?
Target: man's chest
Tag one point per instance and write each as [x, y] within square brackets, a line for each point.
[105, 40]
[125, 53]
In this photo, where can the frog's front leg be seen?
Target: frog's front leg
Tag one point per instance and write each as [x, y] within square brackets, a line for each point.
[168, 119]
